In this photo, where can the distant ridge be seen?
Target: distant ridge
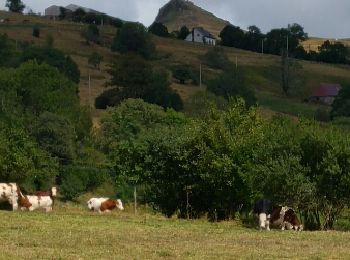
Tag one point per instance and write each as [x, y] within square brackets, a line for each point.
[177, 13]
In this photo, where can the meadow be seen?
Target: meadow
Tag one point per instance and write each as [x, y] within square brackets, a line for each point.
[72, 232]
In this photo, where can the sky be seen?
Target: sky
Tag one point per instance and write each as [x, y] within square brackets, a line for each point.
[320, 18]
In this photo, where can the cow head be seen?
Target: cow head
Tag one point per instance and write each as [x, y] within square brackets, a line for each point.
[119, 204]
[292, 221]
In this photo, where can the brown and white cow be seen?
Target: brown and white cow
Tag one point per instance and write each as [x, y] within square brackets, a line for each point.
[33, 202]
[9, 193]
[104, 204]
[52, 193]
[285, 217]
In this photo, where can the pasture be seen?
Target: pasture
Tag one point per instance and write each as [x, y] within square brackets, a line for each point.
[72, 232]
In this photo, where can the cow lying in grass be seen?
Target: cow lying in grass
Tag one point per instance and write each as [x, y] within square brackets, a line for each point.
[33, 202]
[9, 193]
[104, 204]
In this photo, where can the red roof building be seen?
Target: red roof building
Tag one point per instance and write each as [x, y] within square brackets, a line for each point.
[325, 93]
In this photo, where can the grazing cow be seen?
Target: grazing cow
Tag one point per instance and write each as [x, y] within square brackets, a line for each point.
[52, 193]
[33, 202]
[285, 217]
[104, 204]
[9, 193]
[263, 208]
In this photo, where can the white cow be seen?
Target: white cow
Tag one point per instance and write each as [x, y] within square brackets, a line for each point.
[33, 202]
[104, 204]
[9, 193]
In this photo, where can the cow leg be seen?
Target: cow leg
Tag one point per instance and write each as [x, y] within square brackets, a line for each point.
[14, 206]
[262, 221]
[268, 223]
[283, 225]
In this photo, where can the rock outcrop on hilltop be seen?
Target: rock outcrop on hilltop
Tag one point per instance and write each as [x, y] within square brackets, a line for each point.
[177, 13]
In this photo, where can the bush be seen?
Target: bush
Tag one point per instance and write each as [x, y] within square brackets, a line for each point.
[92, 33]
[108, 98]
[36, 32]
[75, 180]
[322, 115]
[182, 73]
[159, 29]
[134, 37]
[216, 58]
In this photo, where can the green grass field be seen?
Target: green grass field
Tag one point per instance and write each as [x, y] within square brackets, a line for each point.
[71, 232]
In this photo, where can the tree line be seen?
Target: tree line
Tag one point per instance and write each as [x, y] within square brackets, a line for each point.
[44, 132]
[273, 42]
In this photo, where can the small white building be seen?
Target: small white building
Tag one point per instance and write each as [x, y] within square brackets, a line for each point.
[202, 36]
[53, 11]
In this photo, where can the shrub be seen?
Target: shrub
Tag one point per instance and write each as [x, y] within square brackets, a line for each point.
[108, 98]
[182, 73]
[216, 58]
[36, 32]
[75, 180]
[159, 29]
[134, 37]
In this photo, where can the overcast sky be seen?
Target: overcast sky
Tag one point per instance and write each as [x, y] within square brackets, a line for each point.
[322, 18]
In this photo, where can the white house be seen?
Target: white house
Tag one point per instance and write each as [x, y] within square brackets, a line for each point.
[202, 36]
[53, 11]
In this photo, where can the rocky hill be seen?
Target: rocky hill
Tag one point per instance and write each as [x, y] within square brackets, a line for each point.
[177, 13]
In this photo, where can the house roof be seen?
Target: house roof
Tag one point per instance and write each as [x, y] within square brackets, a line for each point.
[74, 7]
[205, 33]
[327, 90]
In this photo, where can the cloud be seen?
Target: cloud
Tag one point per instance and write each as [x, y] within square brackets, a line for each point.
[322, 18]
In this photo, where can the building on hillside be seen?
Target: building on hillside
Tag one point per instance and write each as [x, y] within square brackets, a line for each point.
[73, 8]
[53, 11]
[202, 36]
[325, 93]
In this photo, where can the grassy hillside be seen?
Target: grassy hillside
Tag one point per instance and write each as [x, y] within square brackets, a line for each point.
[313, 43]
[71, 232]
[177, 13]
[262, 72]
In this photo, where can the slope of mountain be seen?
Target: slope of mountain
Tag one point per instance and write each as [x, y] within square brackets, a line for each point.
[177, 13]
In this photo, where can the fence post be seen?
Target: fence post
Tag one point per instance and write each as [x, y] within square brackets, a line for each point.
[135, 200]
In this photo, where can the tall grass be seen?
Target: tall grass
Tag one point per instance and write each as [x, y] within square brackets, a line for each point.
[71, 232]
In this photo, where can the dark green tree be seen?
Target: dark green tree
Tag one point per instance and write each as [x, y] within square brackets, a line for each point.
[55, 58]
[92, 33]
[95, 59]
[231, 84]
[182, 73]
[333, 52]
[253, 38]
[134, 77]
[232, 36]
[55, 134]
[184, 32]
[15, 6]
[159, 29]
[36, 32]
[341, 105]
[134, 37]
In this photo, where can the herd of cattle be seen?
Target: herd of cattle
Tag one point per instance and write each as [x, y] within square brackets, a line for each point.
[11, 193]
[283, 217]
